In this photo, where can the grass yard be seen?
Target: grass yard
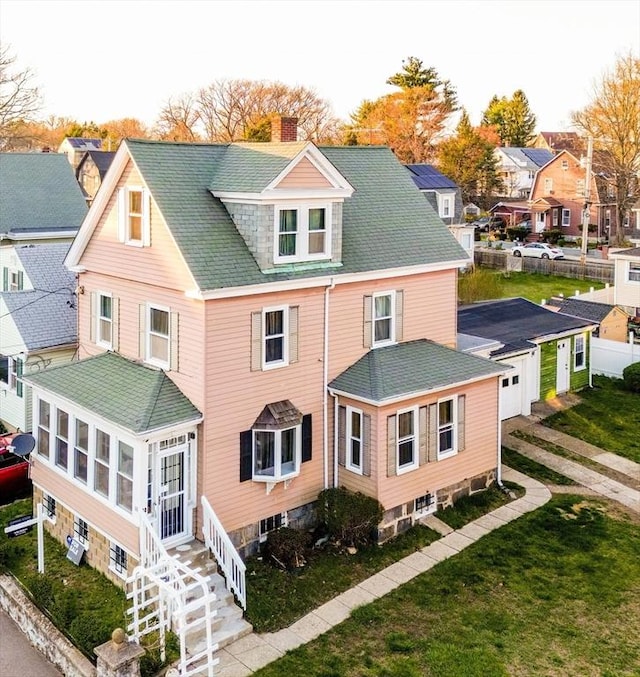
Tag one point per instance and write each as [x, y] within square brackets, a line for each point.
[556, 592]
[491, 284]
[533, 469]
[608, 416]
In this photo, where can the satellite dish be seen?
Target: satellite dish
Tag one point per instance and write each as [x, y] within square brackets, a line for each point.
[22, 445]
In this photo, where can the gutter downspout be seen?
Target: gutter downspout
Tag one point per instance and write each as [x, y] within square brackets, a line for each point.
[335, 441]
[325, 386]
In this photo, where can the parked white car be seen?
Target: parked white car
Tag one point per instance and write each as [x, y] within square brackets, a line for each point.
[540, 250]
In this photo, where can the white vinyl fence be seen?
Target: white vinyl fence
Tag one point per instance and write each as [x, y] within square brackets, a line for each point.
[609, 358]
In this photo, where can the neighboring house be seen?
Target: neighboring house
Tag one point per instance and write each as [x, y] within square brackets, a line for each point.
[442, 193]
[517, 168]
[259, 322]
[549, 351]
[611, 321]
[446, 199]
[40, 200]
[74, 147]
[91, 171]
[558, 198]
[37, 323]
[557, 141]
[626, 288]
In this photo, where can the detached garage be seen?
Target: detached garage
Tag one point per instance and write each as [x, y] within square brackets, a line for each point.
[549, 351]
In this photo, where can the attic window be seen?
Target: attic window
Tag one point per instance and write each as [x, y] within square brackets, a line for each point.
[565, 164]
[302, 233]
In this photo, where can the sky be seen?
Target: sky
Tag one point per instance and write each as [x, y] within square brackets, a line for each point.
[101, 60]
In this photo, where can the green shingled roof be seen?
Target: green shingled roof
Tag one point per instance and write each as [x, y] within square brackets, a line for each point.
[39, 191]
[128, 394]
[386, 224]
[410, 368]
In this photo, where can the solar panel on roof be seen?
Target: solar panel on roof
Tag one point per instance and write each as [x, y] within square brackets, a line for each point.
[538, 155]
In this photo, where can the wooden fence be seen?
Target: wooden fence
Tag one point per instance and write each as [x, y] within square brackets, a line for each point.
[598, 271]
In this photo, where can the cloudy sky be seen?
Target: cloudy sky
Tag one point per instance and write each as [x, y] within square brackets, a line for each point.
[106, 59]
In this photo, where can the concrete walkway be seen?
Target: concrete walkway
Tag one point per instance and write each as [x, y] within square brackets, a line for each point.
[255, 651]
[627, 493]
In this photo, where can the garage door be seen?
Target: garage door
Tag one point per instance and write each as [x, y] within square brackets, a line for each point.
[511, 393]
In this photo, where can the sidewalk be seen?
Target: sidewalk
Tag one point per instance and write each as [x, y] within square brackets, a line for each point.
[254, 651]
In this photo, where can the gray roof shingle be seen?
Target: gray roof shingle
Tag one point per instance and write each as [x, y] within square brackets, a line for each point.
[585, 310]
[386, 223]
[126, 393]
[38, 191]
[410, 368]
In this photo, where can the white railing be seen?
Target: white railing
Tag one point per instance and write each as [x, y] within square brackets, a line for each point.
[217, 540]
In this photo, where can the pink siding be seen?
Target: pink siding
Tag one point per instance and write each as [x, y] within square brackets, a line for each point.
[479, 455]
[190, 376]
[235, 395]
[304, 175]
[161, 264]
[93, 511]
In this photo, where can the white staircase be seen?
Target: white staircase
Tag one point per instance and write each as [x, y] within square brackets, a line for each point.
[181, 590]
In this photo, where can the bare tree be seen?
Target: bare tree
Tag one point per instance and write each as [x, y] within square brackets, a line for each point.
[612, 118]
[178, 120]
[20, 100]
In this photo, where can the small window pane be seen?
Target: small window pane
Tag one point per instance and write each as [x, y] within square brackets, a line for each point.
[288, 450]
[445, 412]
[265, 453]
[159, 321]
[44, 413]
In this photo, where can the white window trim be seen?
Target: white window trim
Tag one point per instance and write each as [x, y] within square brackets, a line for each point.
[47, 498]
[77, 448]
[121, 574]
[445, 206]
[408, 467]
[278, 475]
[108, 345]
[567, 213]
[576, 352]
[392, 333]
[358, 470]
[454, 424]
[275, 364]
[148, 333]
[635, 271]
[144, 217]
[302, 233]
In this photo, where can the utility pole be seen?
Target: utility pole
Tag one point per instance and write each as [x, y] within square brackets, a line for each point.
[586, 212]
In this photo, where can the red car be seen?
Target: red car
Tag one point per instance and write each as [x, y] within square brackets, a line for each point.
[14, 473]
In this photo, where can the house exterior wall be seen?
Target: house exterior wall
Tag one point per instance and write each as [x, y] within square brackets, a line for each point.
[614, 326]
[578, 378]
[304, 175]
[160, 264]
[10, 261]
[626, 291]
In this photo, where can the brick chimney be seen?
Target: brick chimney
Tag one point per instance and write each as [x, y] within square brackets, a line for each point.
[284, 129]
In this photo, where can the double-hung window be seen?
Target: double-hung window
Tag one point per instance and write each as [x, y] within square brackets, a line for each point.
[158, 336]
[62, 438]
[124, 497]
[407, 440]
[634, 272]
[566, 217]
[81, 451]
[275, 332]
[104, 328]
[44, 428]
[133, 216]
[11, 373]
[302, 233]
[354, 440]
[276, 453]
[102, 460]
[383, 318]
[445, 207]
[579, 353]
[447, 432]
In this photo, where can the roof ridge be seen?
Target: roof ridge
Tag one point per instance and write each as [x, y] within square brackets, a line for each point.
[161, 377]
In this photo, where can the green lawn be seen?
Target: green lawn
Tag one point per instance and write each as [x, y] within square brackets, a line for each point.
[556, 592]
[533, 469]
[533, 286]
[608, 416]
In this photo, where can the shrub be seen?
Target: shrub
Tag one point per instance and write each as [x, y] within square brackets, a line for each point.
[286, 547]
[631, 377]
[517, 233]
[351, 518]
[552, 236]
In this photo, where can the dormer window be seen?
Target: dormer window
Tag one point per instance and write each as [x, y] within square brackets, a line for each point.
[133, 216]
[302, 233]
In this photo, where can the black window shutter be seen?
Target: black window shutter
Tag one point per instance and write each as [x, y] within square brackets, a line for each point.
[306, 437]
[246, 443]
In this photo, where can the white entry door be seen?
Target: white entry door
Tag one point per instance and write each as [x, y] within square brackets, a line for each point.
[172, 495]
[562, 367]
[511, 394]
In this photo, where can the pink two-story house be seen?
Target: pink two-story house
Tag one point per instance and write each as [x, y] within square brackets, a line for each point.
[258, 322]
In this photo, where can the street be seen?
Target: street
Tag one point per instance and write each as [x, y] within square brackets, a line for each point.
[18, 658]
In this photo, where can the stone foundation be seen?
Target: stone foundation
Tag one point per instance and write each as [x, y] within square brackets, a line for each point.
[97, 554]
[398, 519]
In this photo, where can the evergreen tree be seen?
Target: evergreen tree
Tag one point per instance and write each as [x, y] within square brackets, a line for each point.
[511, 118]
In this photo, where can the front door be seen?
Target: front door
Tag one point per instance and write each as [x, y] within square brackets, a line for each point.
[172, 498]
[562, 367]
